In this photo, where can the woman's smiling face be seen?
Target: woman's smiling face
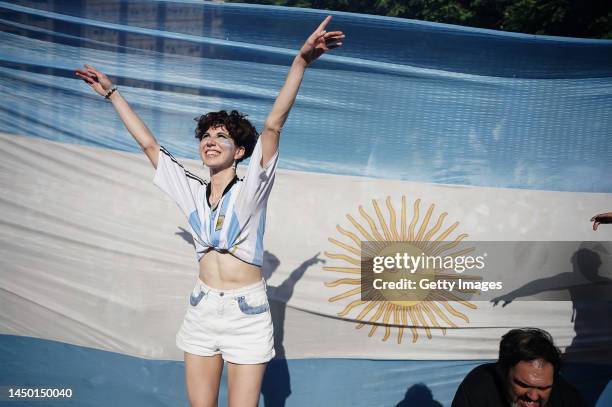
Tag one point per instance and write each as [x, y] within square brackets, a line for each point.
[218, 150]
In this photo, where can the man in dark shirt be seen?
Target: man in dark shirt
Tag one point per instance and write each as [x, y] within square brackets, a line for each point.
[525, 375]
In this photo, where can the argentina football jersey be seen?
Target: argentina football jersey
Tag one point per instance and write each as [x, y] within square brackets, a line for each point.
[237, 223]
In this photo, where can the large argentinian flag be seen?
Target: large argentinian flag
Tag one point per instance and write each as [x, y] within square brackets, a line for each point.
[411, 131]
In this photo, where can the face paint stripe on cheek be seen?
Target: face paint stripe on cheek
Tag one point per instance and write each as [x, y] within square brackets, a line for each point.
[227, 143]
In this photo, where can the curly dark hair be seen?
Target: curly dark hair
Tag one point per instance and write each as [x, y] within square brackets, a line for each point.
[240, 129]
[527, 344]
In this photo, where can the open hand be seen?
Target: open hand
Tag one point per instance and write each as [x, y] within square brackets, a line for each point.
[320, 41]
[95, 79]
[601, 218]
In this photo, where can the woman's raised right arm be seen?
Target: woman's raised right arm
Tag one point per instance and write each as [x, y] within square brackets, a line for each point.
[100, 83]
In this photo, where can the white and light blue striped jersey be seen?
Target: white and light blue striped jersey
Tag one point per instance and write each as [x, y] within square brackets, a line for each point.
[237, 223]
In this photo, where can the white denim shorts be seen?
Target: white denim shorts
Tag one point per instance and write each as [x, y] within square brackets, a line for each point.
[233, 323]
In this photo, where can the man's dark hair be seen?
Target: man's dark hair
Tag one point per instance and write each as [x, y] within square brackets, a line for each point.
[240, 129]
[527, 344]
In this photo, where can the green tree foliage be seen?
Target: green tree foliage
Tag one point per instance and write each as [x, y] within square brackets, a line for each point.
[571, 18]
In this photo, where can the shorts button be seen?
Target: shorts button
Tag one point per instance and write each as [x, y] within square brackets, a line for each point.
[221, 294]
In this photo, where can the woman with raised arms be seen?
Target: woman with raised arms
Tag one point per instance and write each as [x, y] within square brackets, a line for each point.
[228, 317]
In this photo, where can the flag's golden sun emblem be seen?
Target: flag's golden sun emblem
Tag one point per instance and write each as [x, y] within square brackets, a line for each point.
[427, 308]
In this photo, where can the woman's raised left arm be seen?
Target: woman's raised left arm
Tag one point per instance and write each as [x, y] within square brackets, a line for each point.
[319, 42]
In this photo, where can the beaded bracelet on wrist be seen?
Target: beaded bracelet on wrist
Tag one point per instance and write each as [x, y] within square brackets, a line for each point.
[110, 92]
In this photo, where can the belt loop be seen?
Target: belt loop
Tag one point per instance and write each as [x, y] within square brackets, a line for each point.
[265, 285]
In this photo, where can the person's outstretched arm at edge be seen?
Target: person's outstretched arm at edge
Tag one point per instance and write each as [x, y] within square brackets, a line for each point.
[601, 218]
